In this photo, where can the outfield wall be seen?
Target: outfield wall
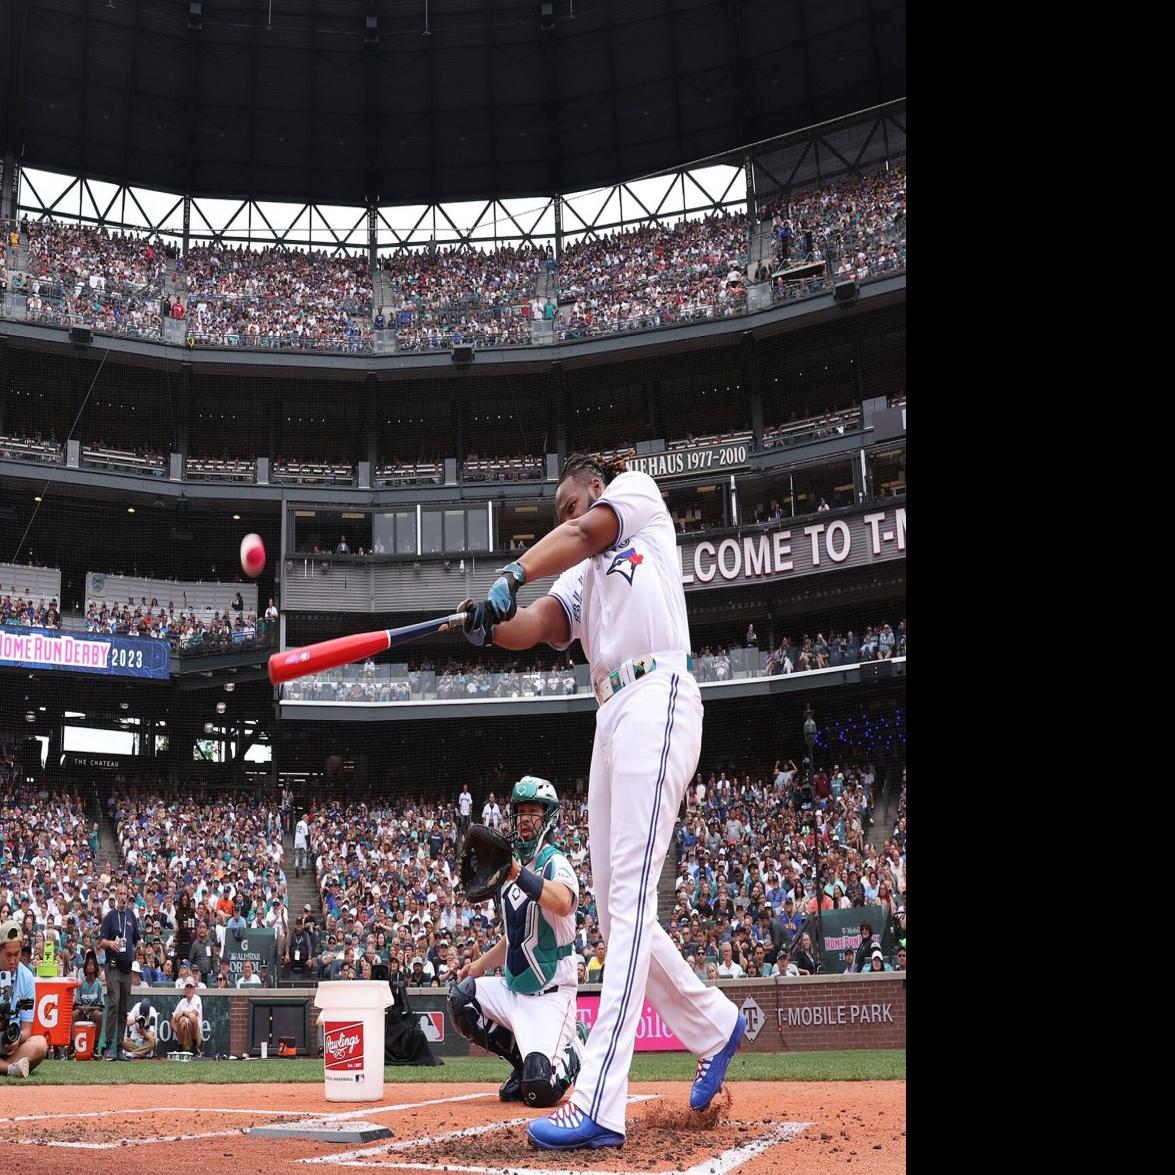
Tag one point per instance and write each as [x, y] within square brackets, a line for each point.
[809, 1014]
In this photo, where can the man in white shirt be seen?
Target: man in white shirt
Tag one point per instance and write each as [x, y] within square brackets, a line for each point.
[187, 1021]
[465, 807]
[728, 968]
[248, 977]
[491, 814]
[301, 845]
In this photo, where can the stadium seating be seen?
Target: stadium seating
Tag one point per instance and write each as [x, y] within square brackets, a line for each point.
[176, 595]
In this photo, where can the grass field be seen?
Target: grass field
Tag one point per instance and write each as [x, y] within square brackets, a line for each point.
[856, 1065]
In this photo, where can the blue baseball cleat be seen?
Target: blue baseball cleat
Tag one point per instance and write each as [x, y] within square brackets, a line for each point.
[711, 1070]
[570, 1129]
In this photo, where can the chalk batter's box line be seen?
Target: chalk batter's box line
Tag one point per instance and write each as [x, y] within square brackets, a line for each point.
[341, 1116]
[160, 1139]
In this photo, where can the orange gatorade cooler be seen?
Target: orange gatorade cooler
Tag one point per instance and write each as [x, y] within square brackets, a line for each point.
[53, 1012]
[85, 1036]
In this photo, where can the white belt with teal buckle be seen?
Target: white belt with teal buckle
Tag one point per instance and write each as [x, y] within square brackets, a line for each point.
[629, 673]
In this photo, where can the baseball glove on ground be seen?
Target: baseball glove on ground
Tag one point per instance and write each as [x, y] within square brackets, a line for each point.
[484, 863]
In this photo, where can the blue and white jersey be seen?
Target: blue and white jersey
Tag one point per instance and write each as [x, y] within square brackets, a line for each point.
[628, 601]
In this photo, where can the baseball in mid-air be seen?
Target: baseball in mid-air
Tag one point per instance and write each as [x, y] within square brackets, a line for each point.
[252, 555]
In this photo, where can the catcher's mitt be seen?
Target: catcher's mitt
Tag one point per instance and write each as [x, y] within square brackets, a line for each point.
[484, 863]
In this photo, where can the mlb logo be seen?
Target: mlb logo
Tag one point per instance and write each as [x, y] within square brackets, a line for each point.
[432, 1024]
[343, 1046]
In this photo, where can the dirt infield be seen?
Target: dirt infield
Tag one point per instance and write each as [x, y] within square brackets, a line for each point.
[759, 1128]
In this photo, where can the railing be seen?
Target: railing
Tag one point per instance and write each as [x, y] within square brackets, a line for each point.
[732, 438]
[260, 635]
[394, 685]
[590, 325]
[499, 469]
[224, 469]
[383, 684]
[782, 436]
[300, 473]
[568, 327]
[422, 473]
[25, 449]
[124, 461]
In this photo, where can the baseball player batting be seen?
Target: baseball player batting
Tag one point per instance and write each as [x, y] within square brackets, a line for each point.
[529, 1016]
[619, 594]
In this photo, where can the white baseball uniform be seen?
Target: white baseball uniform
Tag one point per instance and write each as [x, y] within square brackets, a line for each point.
[627, 603]
[545, 1021]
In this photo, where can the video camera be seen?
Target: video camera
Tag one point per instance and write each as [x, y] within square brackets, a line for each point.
[10, 1011]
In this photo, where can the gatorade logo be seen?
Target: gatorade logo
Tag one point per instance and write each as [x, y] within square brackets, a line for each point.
[47, 1010]
[79, 1043]
[344, 1046]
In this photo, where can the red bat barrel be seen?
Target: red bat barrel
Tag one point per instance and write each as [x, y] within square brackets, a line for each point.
[292, 663]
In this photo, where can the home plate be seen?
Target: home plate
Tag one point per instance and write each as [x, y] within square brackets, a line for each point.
[324, 1130]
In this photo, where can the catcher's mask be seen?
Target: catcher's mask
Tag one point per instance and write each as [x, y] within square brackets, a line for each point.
[532, 790]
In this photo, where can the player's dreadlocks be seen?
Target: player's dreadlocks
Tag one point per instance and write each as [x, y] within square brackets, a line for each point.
[593, 466]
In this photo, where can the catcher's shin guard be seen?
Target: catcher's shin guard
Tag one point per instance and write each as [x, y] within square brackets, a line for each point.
[540, 1085]
[473, 1024]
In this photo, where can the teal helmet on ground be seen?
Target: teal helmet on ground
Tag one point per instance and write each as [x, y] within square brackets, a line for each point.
[532, 790]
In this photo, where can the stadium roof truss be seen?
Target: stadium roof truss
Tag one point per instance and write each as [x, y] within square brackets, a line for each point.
[755, 174]
[378, 102]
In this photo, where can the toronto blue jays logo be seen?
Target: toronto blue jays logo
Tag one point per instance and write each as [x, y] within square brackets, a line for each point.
[626, 562]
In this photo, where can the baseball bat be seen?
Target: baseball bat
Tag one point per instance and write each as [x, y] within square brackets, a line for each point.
[343, 650]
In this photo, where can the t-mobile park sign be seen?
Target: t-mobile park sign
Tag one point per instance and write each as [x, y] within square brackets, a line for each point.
[818, 546]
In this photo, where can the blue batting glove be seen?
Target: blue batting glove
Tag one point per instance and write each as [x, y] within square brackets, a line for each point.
[501, 602]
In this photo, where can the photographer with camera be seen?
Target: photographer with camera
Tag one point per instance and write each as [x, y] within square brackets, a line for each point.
[141, 1031]
[118, 936]
[20, 1051]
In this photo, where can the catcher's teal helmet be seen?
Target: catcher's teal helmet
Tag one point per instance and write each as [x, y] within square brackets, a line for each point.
[532, 790]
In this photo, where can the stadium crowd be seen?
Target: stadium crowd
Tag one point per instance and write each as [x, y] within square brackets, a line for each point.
[184, 629]
[713, 663]
[747, 854]
[756, 855]
[857, 224]
[80, 275]
[440, 298]
[225, 856]
[653, 276]
[277, 297]
[20, 610]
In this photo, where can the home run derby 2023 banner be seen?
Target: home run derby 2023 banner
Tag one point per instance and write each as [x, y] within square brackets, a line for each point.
[82, 652]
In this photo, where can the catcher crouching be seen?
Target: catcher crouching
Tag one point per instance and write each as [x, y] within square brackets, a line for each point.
[528, 1017]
